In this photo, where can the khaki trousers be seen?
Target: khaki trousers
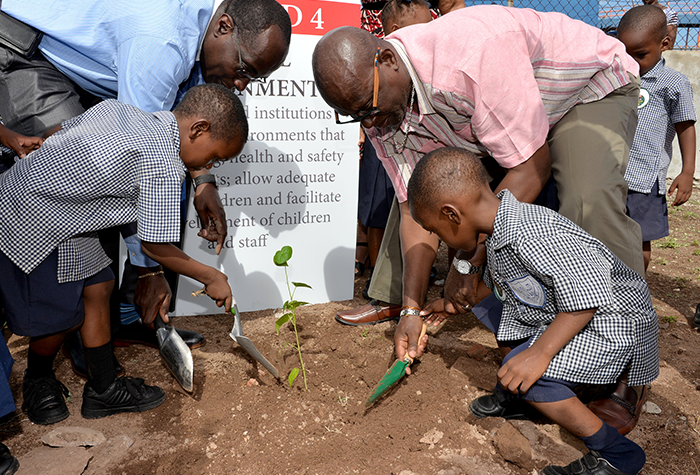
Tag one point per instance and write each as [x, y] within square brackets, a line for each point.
[590, 148]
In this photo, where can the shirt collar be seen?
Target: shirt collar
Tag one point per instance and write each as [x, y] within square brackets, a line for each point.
[217, 4]
[654, 72]
[168, 119]
[424, 105]
[505, 226]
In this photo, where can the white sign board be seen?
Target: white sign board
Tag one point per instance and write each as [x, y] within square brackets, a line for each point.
[295, 184]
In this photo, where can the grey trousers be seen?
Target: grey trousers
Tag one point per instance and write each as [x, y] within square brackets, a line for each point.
[590, 148]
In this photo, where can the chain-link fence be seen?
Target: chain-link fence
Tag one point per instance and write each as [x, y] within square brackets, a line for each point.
[606, 14]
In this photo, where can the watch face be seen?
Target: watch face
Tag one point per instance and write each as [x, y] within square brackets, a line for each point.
[465, 267]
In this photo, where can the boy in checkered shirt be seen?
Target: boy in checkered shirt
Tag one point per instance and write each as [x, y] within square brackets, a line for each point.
[573, 313]
[665, 110]
[112, 165]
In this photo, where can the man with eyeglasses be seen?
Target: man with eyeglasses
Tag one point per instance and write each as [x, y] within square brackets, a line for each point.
[539, 92]
[147, 54]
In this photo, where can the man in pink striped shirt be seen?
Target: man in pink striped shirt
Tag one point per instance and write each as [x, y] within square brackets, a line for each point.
[539, 92]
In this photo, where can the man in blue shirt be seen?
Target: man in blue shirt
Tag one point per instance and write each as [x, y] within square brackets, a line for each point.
[143, 54]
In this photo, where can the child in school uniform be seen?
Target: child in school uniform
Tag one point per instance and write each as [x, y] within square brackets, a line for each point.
[573, 313]
[112, 165]
[665, 110]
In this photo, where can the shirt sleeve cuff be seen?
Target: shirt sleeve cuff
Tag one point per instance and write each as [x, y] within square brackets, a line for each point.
[136, 254]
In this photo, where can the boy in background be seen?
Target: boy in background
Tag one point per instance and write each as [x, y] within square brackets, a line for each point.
[573, 313]
[665, 110]
[112, 165]
[398, 14]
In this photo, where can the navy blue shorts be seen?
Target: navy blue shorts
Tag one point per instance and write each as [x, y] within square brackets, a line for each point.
[488, 311]
[36, 304]
[650, 211]
[376, 193]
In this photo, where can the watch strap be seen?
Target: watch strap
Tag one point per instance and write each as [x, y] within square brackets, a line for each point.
[208, 178]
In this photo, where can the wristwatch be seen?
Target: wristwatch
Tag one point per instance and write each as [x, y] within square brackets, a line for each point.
[465, 267]
[208, 178]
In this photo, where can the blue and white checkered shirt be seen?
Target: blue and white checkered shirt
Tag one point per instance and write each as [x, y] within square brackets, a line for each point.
[540, 264]
[666, 98]
[111, 165]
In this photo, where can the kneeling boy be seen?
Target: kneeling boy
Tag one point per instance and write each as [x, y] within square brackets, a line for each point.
[112, 165]
[578, 315]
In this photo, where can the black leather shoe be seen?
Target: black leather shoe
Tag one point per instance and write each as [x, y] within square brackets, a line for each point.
[139, 334]
[72, 349]
[125, 394]
[501, 404]
[44, 400]
[590, 464]
[8, 463]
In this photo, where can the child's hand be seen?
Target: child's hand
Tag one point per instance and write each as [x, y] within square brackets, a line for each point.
[435, 312]
[684, 184]
[523, 370]
[219, 290]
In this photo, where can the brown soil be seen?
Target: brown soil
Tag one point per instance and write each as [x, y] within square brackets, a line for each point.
[241, 420]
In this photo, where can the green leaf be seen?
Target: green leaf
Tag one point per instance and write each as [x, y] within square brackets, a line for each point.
[293, 304]
[281, 321]
[282, 256]
[301, 284]
[292, 376]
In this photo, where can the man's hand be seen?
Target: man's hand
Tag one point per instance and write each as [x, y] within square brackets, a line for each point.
[406, 338]
[684, 184]
[211, 215]
[460, 292]
[523, 370]
[435, 312]
[21, 144]
[152, 296]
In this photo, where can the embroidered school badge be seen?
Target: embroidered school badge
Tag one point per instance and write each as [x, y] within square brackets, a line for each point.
[528, 290]
[643, 98]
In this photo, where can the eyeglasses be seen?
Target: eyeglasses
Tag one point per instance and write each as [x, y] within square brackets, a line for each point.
[241, 71]
[374, 111]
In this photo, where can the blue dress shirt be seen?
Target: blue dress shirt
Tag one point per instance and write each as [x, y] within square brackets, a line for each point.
[137, 52]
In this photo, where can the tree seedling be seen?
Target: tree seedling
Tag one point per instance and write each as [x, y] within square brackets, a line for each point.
[290, 311]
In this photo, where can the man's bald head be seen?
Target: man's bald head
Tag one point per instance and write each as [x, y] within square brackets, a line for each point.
[342, 63]
[443, 174]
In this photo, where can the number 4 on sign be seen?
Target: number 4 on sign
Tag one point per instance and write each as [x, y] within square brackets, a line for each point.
[317, 18]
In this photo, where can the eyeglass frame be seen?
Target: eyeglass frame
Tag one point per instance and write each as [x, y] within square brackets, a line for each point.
[374, 110]
[241, 71]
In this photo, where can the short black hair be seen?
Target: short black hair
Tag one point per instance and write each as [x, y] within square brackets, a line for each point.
[393, 8]
[252, 17]
[218, 105]
[445, 172]
[646, 18]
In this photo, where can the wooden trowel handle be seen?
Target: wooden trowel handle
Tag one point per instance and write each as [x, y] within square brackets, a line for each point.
[423, 331]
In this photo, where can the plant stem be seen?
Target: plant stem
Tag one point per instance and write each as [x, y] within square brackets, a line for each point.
[296, 333]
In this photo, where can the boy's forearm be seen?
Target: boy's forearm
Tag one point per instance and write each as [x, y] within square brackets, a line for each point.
[174, 259]
[565, 326]
[686, 143]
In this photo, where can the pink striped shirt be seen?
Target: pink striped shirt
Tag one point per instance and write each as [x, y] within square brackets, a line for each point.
[494, 80]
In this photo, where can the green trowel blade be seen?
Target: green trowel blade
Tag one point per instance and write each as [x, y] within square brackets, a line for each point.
[391, 377]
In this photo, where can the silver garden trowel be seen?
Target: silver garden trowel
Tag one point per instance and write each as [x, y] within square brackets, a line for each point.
[244, 342]
[177, 356]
